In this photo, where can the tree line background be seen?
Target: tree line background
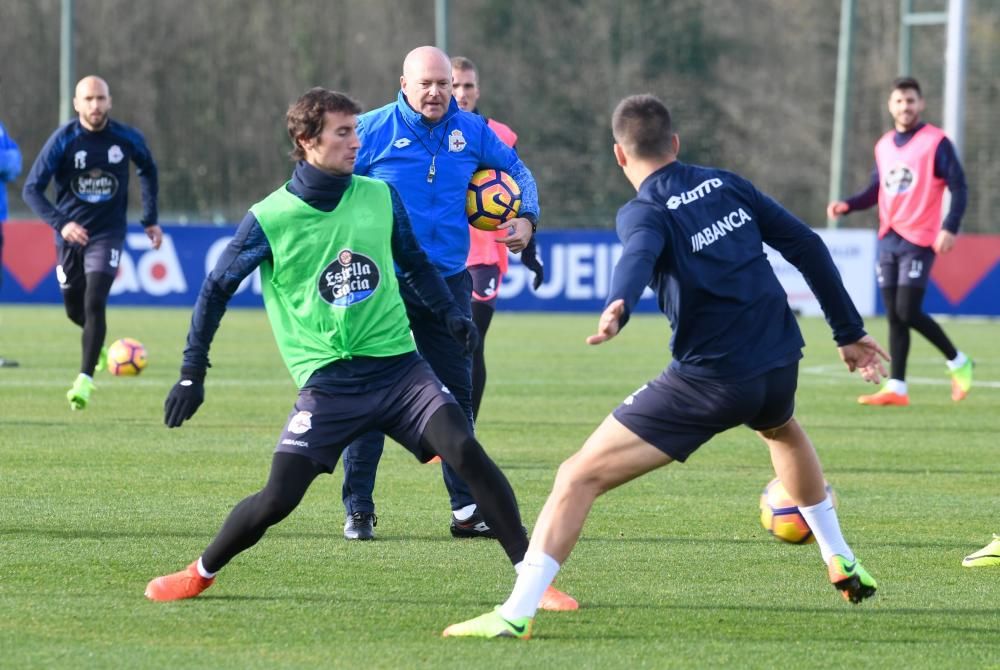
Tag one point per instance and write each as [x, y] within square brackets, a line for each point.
[750, 83]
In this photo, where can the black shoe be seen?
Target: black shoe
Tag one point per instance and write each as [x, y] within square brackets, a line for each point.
[360, 526]
[7, 363]
[474, 526]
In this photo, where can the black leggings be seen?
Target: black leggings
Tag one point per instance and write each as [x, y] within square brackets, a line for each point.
[291, 475]
[86, 306]
[482, 315]
[904, 310]
[447, 434]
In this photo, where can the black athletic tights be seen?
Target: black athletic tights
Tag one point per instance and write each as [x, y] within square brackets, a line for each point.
[86, 305]
[447, 434]
[482, 315]
[904, 310]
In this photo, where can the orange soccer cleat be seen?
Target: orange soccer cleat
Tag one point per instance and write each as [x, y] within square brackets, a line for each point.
[554, 600]
[184, 584]
[885, 398]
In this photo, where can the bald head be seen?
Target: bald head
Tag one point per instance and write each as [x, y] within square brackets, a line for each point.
[92, 102]
[426, 82]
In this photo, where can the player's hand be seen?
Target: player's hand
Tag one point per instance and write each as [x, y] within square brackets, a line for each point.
[836, 209]
[155, 235]
[944, 242]
[464, 331]
[865, 355]
[75, 233]
[607, 326]
[518, 235]
[530, 260]
[184, 398]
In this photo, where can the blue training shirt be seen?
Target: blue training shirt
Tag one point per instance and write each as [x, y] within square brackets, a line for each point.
[91, 173]
[10, 167]
[694, 235]
[399, 147]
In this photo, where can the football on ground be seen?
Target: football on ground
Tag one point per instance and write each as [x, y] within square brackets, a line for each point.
[493, 197]
[781, 517]
[126, 357]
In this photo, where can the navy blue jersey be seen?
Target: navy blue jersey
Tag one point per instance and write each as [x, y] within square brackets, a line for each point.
[91, 172]
[694, 235]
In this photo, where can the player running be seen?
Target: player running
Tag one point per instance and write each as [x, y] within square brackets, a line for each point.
[326, 243]
[88, 158]
[694, 235]
[914, 163]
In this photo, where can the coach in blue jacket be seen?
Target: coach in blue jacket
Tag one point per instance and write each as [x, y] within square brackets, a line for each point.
[428, 148]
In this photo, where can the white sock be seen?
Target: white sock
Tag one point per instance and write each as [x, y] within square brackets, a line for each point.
[957, 362]
[897, 386]
[463, 514]
[203, 572]
[536, 572]
[822, 520]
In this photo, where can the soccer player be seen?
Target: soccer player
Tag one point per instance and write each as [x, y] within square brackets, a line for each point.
[914, 163]
[428, 148]
[987, 556]
[10, 168]
[694, 235]
[326, 242]
[88, 158]
[487, 260]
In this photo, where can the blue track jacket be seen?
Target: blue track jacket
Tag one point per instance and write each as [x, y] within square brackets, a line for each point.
[397, 146]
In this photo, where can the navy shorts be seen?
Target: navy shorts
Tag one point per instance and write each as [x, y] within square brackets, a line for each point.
[677, 413]
[485, 284]
[322, 424]
[903, 263]
[75, 262]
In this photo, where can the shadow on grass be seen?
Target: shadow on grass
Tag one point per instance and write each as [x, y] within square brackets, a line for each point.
[334, 535]
[873, 618]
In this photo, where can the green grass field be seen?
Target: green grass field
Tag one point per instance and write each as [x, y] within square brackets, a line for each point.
[673, 570]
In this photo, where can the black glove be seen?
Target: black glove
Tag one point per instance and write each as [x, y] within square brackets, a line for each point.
[464, 331]
[530, 260]
[184, 398]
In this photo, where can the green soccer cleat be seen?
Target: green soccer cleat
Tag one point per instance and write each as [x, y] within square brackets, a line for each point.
[491, 624]
[988, 555]
[79, 395]
[102, 360]
[961, 380]
[851, 579]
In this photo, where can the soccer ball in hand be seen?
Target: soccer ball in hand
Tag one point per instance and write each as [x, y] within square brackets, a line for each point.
[781, 517]
[126, 357]
[493, 198]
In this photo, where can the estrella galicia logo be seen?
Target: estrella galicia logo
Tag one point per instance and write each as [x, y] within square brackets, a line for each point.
[350, 279]
[899, 179]
[95, 186]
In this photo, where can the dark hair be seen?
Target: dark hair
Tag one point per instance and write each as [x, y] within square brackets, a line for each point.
[305, 118]
[904, 83]
[641, 125]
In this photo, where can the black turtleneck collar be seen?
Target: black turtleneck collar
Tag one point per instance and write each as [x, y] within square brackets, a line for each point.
[901, 138]
[317, 188]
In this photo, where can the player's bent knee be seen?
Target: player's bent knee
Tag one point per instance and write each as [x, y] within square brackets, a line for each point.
[272, 505]
[467, 457]
[576, 476]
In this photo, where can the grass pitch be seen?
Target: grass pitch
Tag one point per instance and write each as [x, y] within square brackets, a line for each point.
[673, 569]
